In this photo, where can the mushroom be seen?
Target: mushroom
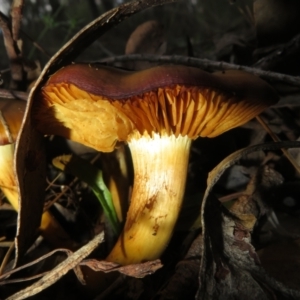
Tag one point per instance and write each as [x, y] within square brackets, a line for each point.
[11, 116]
[158, 112]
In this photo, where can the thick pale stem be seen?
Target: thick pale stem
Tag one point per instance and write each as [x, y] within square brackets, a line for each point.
[7, 178]
[160, 168]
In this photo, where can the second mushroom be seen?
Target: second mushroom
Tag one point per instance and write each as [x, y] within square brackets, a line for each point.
[158, 112]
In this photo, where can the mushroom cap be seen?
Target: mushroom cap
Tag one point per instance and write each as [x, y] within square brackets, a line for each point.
[99, 106]
[11, 116]
[12, 112]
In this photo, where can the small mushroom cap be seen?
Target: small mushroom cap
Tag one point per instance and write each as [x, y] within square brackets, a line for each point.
[99, 106]
[12, 112]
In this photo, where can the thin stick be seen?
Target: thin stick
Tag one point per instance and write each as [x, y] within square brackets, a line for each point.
[5, 244]
[63, 268]
[205, 64]
[10, 94]
[6, 257]
[49, 204]
[230, 197]
[23, 279]
[41, 258]
[277, 139]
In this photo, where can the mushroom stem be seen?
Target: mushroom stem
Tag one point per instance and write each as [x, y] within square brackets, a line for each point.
[7, 179]
[160, 167]
[101, 107]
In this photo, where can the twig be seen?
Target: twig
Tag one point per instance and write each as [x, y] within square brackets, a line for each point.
[23, 279]
[11, 94]
[7, 257]
[50, 203]
[35, 44]
[16, 18]
[277, 139]
[205, 64]
[5, 244]
[43, 257]
[58, 196]
[230, 197]
[63, 268]
[278, 54]
[12, 49]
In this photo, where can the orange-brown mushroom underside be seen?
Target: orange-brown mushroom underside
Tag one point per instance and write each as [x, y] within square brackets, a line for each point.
[100, 122]
[157, 111]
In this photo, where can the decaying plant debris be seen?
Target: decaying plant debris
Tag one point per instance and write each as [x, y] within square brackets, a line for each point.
[237, 236]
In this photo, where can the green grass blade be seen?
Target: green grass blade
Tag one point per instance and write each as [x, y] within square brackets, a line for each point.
[90, 174]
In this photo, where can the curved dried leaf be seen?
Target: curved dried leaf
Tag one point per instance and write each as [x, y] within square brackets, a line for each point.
[230, 267]
[30, 155]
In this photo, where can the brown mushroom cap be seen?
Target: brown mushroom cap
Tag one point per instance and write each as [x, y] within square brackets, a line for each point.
[158, 111]
[99, 106]
[12, 112]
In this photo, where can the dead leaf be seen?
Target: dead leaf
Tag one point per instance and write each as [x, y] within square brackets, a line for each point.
[230, 267]
[63, 268]
[30, 152]
[147, 38]
[135, 270]
[254, 201]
